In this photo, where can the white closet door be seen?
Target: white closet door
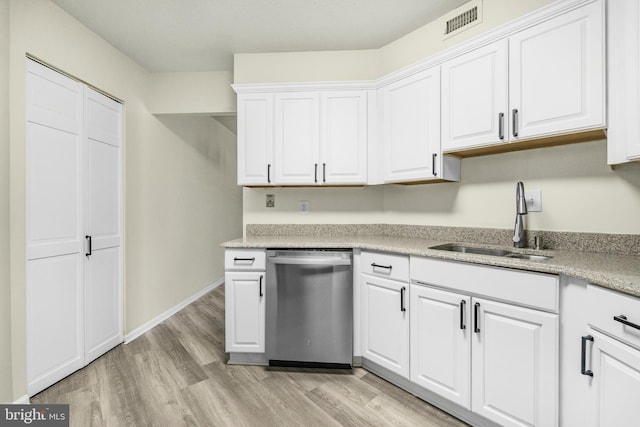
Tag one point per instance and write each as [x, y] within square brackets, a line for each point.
[54, 226]
[103, 289]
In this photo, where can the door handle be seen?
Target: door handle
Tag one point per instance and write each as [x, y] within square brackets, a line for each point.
[324, 172]
[261, 293]
[514, 124]
[90, 245]
[501, 125]
[623, 319]
[315, 173]
[583, 356]
[463, 305]
[433, 164]
[269, 173]
[402, 291]
[476, 309]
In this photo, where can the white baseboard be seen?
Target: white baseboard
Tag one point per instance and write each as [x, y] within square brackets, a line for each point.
[22, 400]
[173, 310]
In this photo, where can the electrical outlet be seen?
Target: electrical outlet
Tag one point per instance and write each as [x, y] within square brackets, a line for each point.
[271, 200]
[534, 200]
[304, 207]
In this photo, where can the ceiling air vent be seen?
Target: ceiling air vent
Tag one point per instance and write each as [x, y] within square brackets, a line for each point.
[463, 18]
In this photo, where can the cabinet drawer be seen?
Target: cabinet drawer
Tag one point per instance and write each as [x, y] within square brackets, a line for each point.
[604, 304]
[391, 266]
[244, 259]
[536, 290]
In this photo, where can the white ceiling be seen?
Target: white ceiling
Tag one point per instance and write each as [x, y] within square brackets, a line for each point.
[203, 35]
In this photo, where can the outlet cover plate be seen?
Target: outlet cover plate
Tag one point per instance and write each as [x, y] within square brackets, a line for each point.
[271, 201]
[534, 200]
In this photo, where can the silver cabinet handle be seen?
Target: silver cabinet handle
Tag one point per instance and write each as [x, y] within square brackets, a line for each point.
[269, 173]
[315, 173]
[324, 172]
[402, 291]
[261, 293]
[463, 305]
[433, 164]
[514, 117]
[501, 125]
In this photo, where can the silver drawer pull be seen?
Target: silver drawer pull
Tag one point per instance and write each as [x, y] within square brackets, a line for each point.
[623, 319]
[388, 267]
[244, 259]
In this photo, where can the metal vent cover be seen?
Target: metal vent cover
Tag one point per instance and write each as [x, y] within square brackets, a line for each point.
[463, 18]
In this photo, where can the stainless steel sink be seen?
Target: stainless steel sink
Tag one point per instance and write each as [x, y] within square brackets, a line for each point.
[453, 247]
[530, 257]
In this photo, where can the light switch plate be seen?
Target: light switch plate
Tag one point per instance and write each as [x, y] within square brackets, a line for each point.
[534, 200]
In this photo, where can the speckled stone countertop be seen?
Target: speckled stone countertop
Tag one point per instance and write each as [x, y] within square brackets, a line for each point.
[615, 264]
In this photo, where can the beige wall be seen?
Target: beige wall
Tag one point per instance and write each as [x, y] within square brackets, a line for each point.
[306, 66]
[192, 93]
[428, 40]
[579, 191]
[174, 169]
[6, 394]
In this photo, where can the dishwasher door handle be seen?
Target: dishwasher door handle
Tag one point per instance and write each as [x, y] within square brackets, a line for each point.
[310, 261]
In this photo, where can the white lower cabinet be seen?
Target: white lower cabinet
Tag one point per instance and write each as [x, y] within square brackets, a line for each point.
[440, 320]
[498, 360]
[385, 323]
[615, 384]
[244, 301]
[514, 371]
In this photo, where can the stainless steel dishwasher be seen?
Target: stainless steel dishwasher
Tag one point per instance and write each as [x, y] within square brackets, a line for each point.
[309, 308]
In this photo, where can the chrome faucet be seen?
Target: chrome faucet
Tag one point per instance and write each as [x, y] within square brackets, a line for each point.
[521, 210]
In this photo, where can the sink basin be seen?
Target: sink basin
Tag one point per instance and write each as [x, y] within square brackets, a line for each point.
[453, 247]
[530, 257]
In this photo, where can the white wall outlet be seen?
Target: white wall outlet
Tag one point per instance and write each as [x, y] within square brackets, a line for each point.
[271, 201]
[534, 200]
[304, 207]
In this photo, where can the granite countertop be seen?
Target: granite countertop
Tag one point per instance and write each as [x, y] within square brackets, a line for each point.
[617, 271]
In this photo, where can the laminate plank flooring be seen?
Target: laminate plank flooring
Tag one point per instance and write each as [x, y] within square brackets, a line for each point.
[176, 375]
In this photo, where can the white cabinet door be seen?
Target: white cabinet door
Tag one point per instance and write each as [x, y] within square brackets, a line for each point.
[245, 313]
[474, 98]
[385, 323]
[615, 385]
[54, 227]
[441, 344]
[255, 139]
[623, 84]
[344, 137]
[297, 138]
[411, 127]
[557, 74]
[515, 364]
[103, 274]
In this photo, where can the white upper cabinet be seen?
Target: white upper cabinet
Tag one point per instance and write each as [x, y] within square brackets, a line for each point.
[475, 98]
[255, 138]
[297, 138]
[344, 137]
[556, 82]
[623, 49]
[410, 129]
[303, 138]
[541, 82]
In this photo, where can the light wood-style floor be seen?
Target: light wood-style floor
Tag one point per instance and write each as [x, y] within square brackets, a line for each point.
[176, 375]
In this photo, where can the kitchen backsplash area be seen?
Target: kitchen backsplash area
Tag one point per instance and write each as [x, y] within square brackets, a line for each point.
[623, 244]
